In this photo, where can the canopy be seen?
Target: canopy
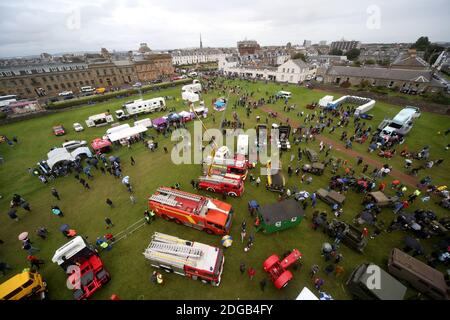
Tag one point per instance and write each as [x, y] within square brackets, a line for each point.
[61, 154]
[126, 133]
[98, 144]
[159, 121]
[23, 236]
[306, 294]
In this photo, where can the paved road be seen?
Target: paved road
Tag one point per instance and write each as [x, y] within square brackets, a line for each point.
[405, 178]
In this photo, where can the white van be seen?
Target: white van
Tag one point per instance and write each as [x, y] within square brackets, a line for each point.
[284, 94]
[87, 89]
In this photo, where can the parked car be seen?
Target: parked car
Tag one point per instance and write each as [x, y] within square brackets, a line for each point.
[316, 168]
[74, 144]
[137, 85]
[59, 130]
[351, 236]
[77, 127]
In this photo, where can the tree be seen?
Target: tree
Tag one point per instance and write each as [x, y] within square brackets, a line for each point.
[421, 44]
[370, 61]
[336, 52]
[357, 63]
[299, 56]
[353, 54]
[432, 52]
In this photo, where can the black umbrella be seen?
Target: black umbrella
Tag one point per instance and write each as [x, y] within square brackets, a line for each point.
[64, 227]
[367, 216]
[413, 243]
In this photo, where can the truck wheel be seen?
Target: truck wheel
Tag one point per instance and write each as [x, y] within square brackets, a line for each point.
[209, 231]
[210, 189]
[232, 194]
[177, 221]
[165, 217]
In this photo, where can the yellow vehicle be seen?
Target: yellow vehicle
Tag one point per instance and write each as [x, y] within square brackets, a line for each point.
[25, 285]
[100, 90]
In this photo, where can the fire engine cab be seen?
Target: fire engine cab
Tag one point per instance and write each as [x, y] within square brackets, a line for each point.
[84, 267]
[194, 260]
[228, 183]
[198, 212]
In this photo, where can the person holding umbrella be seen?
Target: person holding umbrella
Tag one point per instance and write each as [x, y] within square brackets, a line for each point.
[57, 211]
[35, 262]
[55, 193]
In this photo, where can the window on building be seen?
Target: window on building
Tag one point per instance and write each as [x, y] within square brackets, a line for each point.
[56, 87]
[51, 78]
[63, 85]
[284, 70]
[44, 79]
[74, 84]
[49, 87]
[291, 78]
[28, 90]
[81, 83]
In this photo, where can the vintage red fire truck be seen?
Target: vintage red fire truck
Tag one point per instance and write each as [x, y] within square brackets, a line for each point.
[194, 260]
[277, 269]
[198, 212]
[229, 183]
[85, 270]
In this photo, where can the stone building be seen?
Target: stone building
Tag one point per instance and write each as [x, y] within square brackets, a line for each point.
[403, 79]
[49, 79]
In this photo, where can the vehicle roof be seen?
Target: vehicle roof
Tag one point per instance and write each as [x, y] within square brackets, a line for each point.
[420, 268]
[404, 115]
[379, 196]
[68, 250]
[281, 211]
[390, 288]
[13, 282]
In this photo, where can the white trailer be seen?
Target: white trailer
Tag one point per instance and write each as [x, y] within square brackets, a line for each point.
[144, 122]
[99, 120]
[145, 106]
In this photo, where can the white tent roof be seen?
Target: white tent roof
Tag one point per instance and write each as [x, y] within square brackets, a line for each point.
[306, 294]
[126, 133]
[118, 128]
[61, 154]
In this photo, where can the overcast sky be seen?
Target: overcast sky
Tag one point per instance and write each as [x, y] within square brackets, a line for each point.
[31, 27]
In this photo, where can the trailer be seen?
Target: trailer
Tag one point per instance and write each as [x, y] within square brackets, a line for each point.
[99, 120]
[190, 259]
[232, 185]
[145, 106]
[277, 269]
[82, 263]
[196, 211]
[242, 144]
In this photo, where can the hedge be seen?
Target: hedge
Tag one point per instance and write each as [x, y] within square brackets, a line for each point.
[111, 95]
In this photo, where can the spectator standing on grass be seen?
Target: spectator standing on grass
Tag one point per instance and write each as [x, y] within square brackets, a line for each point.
[29, 248]
[339, 270]
[258, 181]
[13, 215]
[109, 223]
[132, 199]
[242, 268]
[263, 284]
[318, 283]
[55, 193]
[109, 202]
[314, 269]
[251, 273]
[35, 261]
[42, 233]
[132, 161]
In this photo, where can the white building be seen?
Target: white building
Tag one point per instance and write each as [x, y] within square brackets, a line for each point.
[185, 57]
[292, 71]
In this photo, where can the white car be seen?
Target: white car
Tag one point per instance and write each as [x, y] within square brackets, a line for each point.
[74, 144]
[77, 127]
[137, 85]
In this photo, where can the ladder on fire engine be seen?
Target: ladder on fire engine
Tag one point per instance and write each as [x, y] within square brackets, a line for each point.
[163, 199]
[172, 250]
[176, 193]
[218, 179]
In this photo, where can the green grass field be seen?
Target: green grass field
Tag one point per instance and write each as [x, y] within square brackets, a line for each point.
[85, 210]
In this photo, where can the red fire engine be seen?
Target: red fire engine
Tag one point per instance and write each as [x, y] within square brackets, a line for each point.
[194, 260]
[228, 183]
[84, 267]
[277, 269]
[199, 212]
